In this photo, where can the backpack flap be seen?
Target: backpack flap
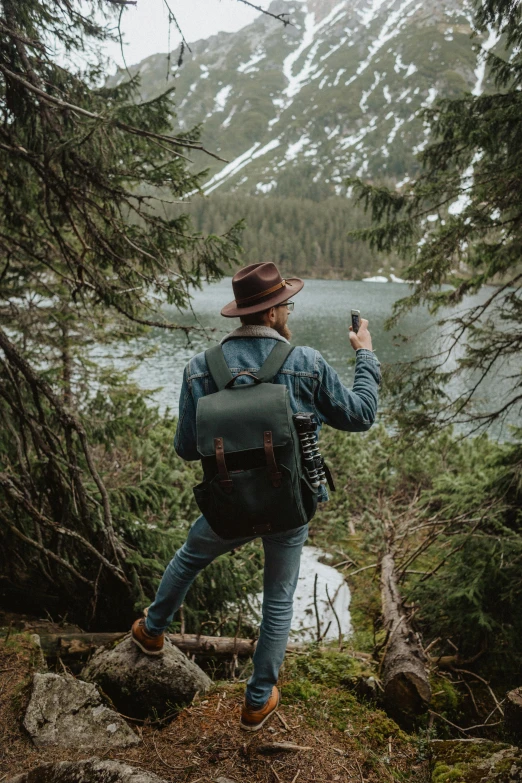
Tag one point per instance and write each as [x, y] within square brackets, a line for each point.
[240, 416]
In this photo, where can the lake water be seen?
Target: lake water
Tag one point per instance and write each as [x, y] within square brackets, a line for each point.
[322, 585]
[330, 591]
[320, 319]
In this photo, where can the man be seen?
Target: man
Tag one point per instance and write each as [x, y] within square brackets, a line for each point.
[262, 302]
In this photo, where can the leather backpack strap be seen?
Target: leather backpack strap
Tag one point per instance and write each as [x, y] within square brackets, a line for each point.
[218, 367]
[224, 477]
[274, 361]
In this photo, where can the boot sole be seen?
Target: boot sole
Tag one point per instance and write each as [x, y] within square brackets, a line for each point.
[257, 726]
[144, 649]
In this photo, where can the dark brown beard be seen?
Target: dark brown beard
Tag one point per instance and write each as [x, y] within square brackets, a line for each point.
[284, 331]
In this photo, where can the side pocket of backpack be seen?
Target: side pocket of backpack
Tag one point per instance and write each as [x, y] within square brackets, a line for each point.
[254, 506]
[203, 496]
[309, 498]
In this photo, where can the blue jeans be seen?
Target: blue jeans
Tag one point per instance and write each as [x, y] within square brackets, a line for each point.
[282, 557]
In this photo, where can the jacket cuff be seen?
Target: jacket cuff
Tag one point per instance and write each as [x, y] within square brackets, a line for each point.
[366, 355]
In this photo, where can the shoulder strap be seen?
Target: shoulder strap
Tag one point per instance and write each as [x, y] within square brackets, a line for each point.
[218, 366]
[274, 361]
[221, 374]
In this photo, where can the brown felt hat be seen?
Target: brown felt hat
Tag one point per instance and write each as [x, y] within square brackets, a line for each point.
[258, 287]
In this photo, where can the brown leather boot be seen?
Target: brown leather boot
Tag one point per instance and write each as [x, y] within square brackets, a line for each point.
[252, 719]
[150, 645]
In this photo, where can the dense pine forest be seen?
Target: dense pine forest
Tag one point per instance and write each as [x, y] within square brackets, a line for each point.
[308, 237]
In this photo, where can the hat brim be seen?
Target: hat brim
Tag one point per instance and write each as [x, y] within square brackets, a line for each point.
[292, 287]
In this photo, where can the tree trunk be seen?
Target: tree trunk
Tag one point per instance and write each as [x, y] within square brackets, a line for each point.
[405, 678]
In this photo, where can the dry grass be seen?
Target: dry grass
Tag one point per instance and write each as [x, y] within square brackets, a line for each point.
[204, 742]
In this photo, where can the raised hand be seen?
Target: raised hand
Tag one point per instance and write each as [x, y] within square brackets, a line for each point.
[361, 339]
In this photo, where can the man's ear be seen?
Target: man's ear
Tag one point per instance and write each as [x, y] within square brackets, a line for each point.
[272, 315]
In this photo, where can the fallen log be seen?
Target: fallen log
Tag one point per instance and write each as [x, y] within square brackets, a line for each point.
[405, 678]
[81, 645]
[75, 645]
[69, 645]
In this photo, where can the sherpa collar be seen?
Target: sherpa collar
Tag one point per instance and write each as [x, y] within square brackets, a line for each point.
[254, 330]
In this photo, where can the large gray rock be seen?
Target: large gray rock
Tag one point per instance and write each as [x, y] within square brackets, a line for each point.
[88, 771]
[475, 761]
[141, 685]
[513, 715]
[67, 712]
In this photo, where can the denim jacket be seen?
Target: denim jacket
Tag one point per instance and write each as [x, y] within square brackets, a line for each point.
[313, 386]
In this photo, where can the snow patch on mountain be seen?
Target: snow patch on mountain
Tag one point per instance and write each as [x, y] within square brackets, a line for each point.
[230, 168]
[430, 100]
[399, 66]
[247, 67]
[188, 94]
[228, 120]
[338, 76]
[297, 80]
[239, 163]
[363, 103]
[390, 29]
[355, 139]
[333, 49]
[368, 14]
[397, 124]
[294, 149]
[266, 187]
[480, 70]
[220, 101]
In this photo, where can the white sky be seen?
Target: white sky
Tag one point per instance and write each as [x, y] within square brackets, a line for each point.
[145, 25]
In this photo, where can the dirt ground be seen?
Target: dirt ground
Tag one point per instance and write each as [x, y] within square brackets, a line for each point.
[204, 742]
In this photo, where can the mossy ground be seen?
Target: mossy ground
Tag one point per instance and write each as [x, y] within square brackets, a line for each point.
[384, 487]
[342, 738]
[322, 683]
[351, 739]
[475, 761]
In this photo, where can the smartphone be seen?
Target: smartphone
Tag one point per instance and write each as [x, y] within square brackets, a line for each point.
[356, 320]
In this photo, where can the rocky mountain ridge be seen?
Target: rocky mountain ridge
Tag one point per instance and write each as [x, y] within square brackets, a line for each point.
[335, 93]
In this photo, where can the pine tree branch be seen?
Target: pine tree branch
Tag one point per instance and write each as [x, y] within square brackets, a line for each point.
[17, 496]
[173, 140]
[280, 17]
[47, 552]
[17, 36]
[158, 324]
[70, 422]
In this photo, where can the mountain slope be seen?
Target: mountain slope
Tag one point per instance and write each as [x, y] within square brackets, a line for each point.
[296, 109]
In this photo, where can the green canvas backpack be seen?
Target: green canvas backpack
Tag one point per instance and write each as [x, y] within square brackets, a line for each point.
[254, 480]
